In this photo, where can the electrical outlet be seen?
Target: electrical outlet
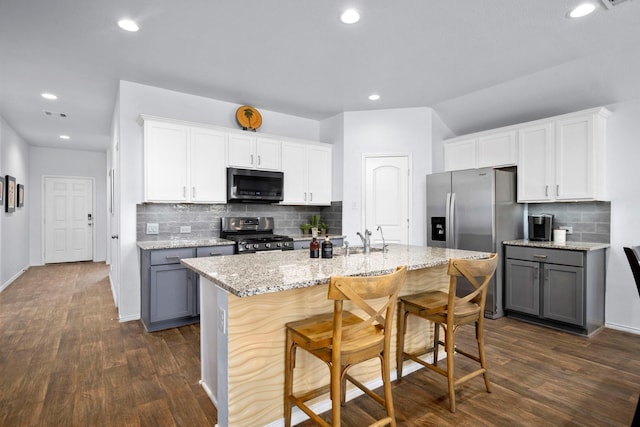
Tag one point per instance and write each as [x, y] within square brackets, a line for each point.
[222, 320]
[152, 228]
[568, 228]
[185, 229]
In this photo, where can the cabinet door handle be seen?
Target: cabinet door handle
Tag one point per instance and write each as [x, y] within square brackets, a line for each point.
[540, 256]
[557, 190]
[311, 197]
[215, 253]
[184, 191]
[252, 159]
[546, 191]
[305, 196]
[172, 257]
[193, 192]
[258, 160]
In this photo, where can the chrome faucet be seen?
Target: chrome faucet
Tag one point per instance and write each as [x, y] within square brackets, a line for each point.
[366, 242]
[384, 245]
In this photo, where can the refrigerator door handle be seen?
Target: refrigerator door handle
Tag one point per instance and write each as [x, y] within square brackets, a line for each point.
[447, 219]
[452, 221]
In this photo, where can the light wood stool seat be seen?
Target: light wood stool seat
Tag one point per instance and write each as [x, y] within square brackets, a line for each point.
[450, 311]
[342, 339]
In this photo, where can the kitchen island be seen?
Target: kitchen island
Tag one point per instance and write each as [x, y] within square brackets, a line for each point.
[246, 300]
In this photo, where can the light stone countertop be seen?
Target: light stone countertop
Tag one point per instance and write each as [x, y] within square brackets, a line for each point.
[183, 243]
[212, 241]
[276, 271]
[569, 246]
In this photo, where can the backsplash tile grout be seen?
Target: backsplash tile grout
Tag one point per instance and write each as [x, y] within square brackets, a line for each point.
[591, 221]
[205, 219]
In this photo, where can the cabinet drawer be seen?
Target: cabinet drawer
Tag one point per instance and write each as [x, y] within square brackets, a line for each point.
[215, 250]
[170, 256]
[551, 256]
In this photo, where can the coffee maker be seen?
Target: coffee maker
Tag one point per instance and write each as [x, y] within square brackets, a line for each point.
[541, 227]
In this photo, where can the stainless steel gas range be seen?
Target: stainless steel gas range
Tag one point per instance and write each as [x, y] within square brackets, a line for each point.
[254, 234]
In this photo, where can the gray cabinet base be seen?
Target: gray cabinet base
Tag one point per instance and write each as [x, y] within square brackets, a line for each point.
[173, 323]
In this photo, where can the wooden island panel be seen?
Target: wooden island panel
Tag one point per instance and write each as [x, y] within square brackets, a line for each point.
[256, 347]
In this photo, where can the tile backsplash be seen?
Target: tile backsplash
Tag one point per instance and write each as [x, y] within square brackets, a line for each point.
[591, 221]
[204, 220]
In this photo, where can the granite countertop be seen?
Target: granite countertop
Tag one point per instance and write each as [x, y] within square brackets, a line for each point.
[284, 270]
[183, 243]
[569, 246]
[212, 241]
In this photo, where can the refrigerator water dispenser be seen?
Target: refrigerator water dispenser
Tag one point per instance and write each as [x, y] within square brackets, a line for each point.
[438, 228]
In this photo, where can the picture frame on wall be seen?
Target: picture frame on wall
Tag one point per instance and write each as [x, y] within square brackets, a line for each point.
[20, 195]
[10, 194]
[1, 190]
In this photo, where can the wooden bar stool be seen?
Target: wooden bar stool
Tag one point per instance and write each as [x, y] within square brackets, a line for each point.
[341, 339]
[449, 311]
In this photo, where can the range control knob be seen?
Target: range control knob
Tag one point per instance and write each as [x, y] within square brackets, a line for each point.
[279, 244]
[256, 246]
[247, 246]
[267, 245]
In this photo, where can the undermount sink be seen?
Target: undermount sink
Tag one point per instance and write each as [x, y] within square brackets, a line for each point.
[356, 250]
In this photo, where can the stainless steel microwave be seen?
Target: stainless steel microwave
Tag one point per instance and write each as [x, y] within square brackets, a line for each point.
[249, 185]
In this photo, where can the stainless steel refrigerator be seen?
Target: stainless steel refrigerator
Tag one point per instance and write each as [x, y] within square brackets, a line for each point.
[476, 210]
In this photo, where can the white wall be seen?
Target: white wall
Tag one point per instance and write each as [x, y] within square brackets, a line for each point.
[397, 131]
[440, 132]
[332, 132]
[623, 183]
[14, 227]
[70, 163]
[136, 99]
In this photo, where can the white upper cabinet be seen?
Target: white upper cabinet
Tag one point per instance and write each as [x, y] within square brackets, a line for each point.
[254, 152]
[307, 173]
[497, 149]
[460, 154]
[165, 162]
[536, 163]
[184, 164]
[563, 158]
[208, 166]
[485, 149]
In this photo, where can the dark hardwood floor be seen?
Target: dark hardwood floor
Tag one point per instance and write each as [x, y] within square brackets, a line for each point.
[65, 360]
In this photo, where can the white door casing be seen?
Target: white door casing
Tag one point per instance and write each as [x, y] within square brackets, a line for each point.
[387, 190]
[68, 217]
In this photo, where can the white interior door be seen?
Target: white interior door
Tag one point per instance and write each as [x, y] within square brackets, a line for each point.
[386, 193]
[68, 213]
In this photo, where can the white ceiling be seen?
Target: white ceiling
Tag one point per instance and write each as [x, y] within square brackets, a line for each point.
[479, 64]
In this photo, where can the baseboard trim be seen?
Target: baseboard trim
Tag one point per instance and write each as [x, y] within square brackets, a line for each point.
[13, 278]
[129, 318]
[623, 328]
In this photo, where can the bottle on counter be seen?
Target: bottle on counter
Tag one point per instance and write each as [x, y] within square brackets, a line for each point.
[314, 248]
[327, 248]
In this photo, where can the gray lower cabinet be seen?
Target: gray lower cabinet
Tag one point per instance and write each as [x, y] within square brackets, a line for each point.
[554, 287]
[169, 291]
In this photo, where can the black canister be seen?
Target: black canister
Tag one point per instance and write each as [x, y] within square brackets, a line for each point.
[327, 248]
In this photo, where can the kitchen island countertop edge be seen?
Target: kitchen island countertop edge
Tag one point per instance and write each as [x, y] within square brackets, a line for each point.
[277, 271]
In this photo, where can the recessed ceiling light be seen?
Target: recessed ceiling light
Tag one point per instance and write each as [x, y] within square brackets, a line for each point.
[128, 25]
[350, 16]
[65, 137]
[374, 97]
[48, 96]
[582, 10]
